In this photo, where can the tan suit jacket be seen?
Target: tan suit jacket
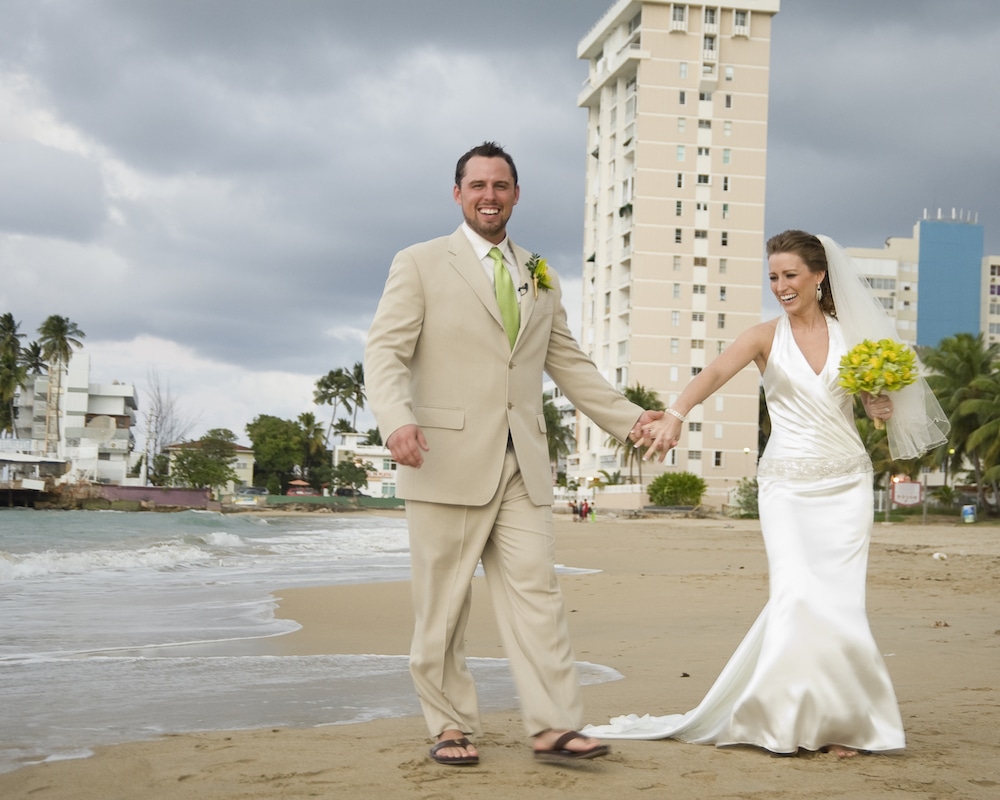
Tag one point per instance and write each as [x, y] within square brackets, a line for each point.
[437, 356]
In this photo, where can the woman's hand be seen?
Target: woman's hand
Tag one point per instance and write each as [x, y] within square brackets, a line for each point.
[877, 407]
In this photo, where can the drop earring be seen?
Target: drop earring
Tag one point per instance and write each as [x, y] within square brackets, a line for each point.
[819, 292]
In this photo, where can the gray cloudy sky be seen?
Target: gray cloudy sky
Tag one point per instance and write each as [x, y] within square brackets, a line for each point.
[213, 189]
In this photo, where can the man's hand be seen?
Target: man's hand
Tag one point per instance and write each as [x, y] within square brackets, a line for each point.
[408, 445]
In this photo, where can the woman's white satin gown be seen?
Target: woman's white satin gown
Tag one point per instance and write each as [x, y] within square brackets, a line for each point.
[808, 673]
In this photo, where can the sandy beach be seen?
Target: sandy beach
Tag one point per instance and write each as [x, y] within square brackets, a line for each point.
[673, 599]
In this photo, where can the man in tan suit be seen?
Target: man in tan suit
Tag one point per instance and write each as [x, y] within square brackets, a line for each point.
[460, 408]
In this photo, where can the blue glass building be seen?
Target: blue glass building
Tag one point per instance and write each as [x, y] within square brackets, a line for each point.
[951, 256]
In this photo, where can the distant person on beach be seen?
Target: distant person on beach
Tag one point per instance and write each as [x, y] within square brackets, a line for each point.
[466, 326]
[808, 674]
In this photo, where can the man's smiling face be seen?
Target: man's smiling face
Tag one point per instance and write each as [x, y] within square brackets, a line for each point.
[487, 196]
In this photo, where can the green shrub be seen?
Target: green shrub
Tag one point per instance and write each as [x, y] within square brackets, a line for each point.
[746, 498]
[676, 489]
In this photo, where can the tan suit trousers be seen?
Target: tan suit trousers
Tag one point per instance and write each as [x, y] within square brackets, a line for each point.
[515, 541]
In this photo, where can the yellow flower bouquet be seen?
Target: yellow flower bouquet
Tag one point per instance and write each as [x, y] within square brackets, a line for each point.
[876, 367]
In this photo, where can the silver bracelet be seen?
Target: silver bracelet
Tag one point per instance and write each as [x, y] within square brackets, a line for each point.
[673, 413]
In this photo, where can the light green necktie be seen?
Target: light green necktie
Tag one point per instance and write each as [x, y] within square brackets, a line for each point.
[506, 297]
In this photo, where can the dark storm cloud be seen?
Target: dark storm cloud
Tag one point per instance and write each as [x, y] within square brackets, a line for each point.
[234, 176]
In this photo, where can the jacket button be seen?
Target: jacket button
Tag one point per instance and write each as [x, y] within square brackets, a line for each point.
[510, 406]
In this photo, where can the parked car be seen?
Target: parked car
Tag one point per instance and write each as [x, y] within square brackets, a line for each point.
[302, 491]
[344, 491]
[254, 490]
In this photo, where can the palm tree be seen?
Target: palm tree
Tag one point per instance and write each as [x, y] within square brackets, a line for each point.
[356, 391]
[33, 360]
[984, 408]
[12, 371]
[645, 398]
[559, 436]
[57, 337]
[313, 441]
[955, 365]
[332, 390]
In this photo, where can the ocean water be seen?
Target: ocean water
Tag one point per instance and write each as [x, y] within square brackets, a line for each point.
[126, 626]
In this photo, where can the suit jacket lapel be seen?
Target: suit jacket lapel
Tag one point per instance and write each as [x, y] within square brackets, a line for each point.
[528, 298]
[465, 263]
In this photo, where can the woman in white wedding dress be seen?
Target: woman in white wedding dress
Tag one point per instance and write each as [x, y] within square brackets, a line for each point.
[808, 674]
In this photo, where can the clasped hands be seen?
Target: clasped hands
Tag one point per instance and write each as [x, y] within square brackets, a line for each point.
[657, 432]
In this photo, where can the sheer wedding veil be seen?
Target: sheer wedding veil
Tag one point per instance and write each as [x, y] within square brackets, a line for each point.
[918, 423]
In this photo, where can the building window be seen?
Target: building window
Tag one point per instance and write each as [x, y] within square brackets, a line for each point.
[725, 210]
[681, 124]
[680, 13]
[704, 180]
[677, 291]
[677, 263]
[709, 44]
[698, 288]
[679, 208]
[729, 101]
[703, 151]
[729, 73]
[694, 455]
[695, 371]
[673, 375]
[722, 294]
[710, 16]
[680, 180]
[675, 344]
[684, 69]
[705, 124]
[718, 458]
[682, 97]
[675, 318]
[694, 427]
[701, 234]
[723, 266]
[700, 261]
[680, 152]
[697, 316]
[722, 321]
[719, 347]
[725, 184]
[727, 156]
[724, 238]
[678, 236]
[727, 128]
[701, 206]
[740, 19]
[707, 96]
[697, 344]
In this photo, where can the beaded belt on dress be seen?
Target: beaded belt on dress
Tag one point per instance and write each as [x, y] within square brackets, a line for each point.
[808, 468]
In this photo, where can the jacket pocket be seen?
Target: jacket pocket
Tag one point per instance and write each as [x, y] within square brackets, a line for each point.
[438, 417]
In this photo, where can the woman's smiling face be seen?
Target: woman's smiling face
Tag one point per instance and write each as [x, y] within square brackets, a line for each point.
[792, 283]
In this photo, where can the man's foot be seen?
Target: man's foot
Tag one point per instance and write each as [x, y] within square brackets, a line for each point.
[454, 749]
[560, 746]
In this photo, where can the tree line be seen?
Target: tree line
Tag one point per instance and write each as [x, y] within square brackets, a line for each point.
[963, 371]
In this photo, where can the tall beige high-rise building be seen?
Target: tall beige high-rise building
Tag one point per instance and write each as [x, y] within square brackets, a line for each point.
[677, 100]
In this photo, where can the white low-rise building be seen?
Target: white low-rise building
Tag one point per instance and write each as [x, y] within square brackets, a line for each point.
[93, 423]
